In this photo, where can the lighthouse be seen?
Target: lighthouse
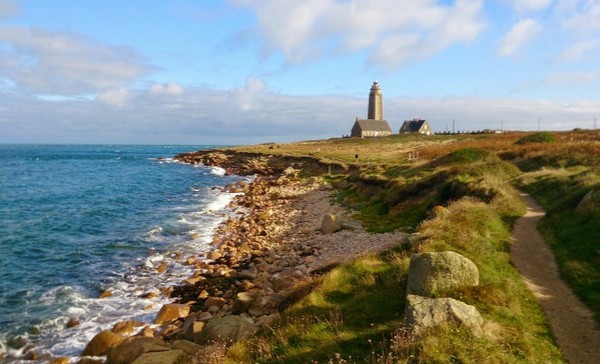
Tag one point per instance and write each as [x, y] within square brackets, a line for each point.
[373, 125]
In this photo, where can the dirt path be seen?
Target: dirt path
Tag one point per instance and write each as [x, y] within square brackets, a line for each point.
[573, 324]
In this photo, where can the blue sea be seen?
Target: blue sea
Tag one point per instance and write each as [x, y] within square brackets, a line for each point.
[76, 220]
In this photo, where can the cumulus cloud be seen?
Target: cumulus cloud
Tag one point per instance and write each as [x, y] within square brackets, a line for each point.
[391, 31]
[49, 62]
[522, 33]
[580, 50]
[118, 98]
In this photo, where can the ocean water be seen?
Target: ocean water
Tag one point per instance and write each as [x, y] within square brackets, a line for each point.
[79, 219]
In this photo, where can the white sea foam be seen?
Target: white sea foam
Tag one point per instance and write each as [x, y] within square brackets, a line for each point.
[217, 171]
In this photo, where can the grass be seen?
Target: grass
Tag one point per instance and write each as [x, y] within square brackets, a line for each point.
[353, 313]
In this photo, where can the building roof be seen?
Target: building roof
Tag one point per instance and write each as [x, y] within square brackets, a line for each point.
[373, 125]
[413, 125]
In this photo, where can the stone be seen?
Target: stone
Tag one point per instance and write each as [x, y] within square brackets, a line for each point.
[105, 294]
[590, 202]
[164, 357]
[61, 360]
[170, 312]
[126, 327]
[101, 343]
[242, 302]
[214, 301]
[90, 361]
[434, 272]
[226, 330]
[162, 267]
[192, 329]
[186, 346]
[132, 348]
[330, 224]
[214, 255]
[423, 313]
[72, 322]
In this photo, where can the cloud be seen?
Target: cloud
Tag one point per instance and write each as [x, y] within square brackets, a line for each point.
[580, 50]
[585, 17]
[8, 8]
[118, 98]
[392, 32]
[523, 32]
[171, 89]
[48, 62]
[569, 78]
[530, 5]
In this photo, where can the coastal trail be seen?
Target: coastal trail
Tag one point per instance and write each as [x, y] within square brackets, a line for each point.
[572, 322]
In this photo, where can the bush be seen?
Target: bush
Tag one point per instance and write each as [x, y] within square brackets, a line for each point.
[542, 137]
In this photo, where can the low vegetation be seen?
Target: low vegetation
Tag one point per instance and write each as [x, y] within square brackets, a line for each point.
[456, 193]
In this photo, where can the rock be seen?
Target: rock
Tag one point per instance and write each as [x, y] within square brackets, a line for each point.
[330, 224]
[90, 361]
[61, 360]
[590, 202]
[242, 302]
[164, 357]
[105, 294]
[126, 327]
[226, 330]
[351, 225]
[434, 272]
[422, 313]
[132, 348]
[72, 322]
[186, 346]
[214, 255]
[170, 312]
[214, 301]
[162, 267]
[101, 343]
[192, 329]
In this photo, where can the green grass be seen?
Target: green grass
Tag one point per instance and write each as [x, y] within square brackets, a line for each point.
[542, 137]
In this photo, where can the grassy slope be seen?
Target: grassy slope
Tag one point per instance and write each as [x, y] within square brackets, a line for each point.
[353, 313]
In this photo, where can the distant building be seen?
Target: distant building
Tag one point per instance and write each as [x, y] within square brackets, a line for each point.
[416, 126]
[374, 125]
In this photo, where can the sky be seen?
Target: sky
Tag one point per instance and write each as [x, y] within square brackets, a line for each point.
[254, 71]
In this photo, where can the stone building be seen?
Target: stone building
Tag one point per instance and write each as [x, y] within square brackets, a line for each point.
[416, 126]
[374, 125]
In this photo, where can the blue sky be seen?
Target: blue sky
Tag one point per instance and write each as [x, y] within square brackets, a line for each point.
[249, 71]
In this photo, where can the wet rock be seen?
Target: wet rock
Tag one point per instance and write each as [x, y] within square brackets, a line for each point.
[214, 301]
[170, 312]
[214, 255]
[422, 313]
[162, 267]
[101, 343]
[164, 357]
[126, 327]
[61, 360]
[90, 361]
[433, 272]
[105, 294]
[226, 330]
[72, 323]
[132, 348]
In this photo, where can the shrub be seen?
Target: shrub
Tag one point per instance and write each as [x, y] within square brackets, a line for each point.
[542, 137]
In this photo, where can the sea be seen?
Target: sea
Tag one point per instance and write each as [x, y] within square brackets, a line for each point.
[76, 220]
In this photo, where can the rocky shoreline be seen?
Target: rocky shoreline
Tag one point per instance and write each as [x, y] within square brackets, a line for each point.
[284, 232]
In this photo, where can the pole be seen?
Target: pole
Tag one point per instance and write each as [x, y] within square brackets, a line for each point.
[595, 123]
[539, 123]
[453, 125]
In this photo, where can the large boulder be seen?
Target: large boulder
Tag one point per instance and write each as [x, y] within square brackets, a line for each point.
[434, 272]
[422, 313]
[164, 357]
[132, 348]
[226, 330]
[590, 202]
[170, 312]
[101, 343]
[330, 224]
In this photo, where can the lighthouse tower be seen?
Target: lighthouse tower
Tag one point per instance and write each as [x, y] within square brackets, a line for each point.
[375, 103]
[373, 125]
